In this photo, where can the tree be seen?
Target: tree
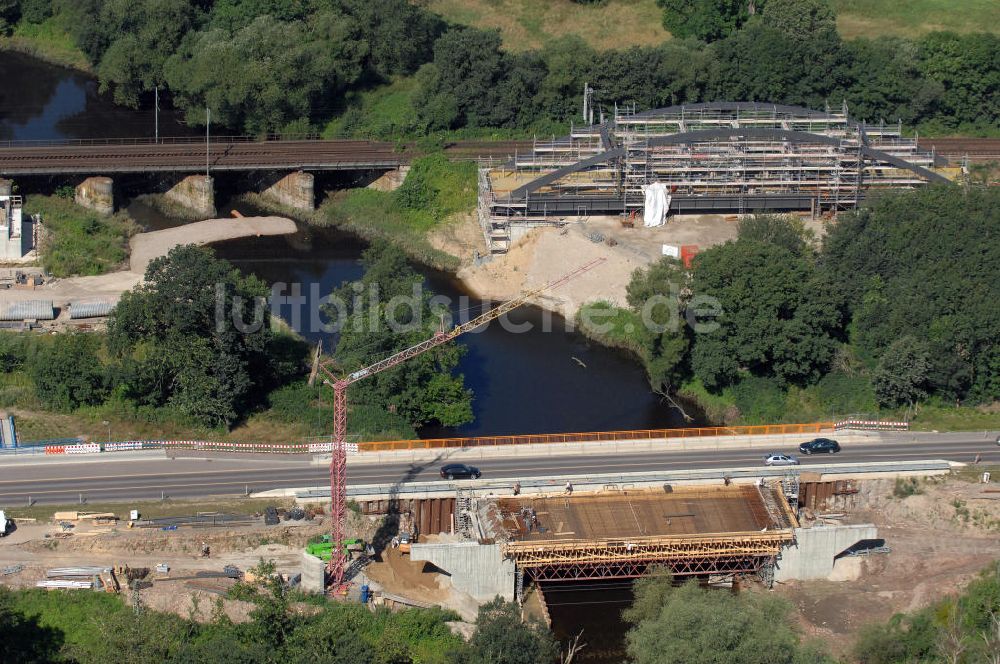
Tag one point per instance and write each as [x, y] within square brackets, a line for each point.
[10, 12]
[967, 69]
[399, 35]
[707, 20]
[655, 295]
[764, 63]
[502, 637]
[268, 74]
[780, 230]
[468, 67]
[669, 627]
[141, 34]
[178, 342]
[801, 19]
[901, 373]
[68, 374]
[916, 263]
[25, 640]
[778, 317]
[388, 310]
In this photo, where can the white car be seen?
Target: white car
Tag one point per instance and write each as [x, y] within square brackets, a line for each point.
[780, 460]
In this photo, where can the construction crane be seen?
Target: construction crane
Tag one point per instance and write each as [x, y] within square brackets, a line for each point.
[338, 458]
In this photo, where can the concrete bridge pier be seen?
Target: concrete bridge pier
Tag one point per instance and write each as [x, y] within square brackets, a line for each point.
[390, 180]
[6, 187]
[97, 194]
[195, 193]
[295, 190]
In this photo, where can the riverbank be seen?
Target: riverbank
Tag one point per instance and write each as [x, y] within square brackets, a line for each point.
[147, 246]
[49, 42]
[144, 248]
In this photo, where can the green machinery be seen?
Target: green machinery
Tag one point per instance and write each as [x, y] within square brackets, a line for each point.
[324, 548]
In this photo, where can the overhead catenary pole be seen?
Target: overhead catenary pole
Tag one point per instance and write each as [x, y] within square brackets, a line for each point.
[208, 125]
[338, 456]
[156, 114]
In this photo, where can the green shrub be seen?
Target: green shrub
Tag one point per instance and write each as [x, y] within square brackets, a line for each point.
[760, 400]
[906, 487]
[79, 241]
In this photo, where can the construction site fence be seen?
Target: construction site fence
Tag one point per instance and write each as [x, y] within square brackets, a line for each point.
[872, 425]
[596, 437]
[199, 445]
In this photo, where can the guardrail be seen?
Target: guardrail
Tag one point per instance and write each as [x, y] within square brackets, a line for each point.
[594, 436]
[623, 480]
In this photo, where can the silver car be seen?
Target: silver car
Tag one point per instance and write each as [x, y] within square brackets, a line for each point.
[780, 460]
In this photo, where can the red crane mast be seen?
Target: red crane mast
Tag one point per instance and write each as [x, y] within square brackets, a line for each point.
[338, 458]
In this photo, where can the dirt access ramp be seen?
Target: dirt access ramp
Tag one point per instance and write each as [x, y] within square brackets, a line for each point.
[941, 537]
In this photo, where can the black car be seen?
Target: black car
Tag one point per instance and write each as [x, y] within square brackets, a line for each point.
[459, 471]
[820, 446]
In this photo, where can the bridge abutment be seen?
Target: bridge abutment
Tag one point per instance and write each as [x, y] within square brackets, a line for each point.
[97, 194]
[390, 180]
[195, 193]
[295, 190]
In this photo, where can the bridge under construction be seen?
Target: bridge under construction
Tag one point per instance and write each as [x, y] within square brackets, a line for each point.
[740, 157]
[719, 530]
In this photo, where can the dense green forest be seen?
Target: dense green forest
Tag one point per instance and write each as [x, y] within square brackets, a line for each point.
[895, 307]
[54, 627]
[287, 66]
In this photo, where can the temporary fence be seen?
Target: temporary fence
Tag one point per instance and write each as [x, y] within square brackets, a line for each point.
[596, 436]
[872, 425]
[200, 445]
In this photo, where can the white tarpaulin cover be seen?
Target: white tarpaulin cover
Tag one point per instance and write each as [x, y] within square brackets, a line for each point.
[657, 204]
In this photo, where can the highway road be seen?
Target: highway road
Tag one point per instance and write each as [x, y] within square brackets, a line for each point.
[153, 478]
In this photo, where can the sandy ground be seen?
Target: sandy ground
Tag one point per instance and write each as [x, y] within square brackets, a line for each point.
[461, 237]
[940, 540]
[547, 253]
[146, 247]
[40, 546]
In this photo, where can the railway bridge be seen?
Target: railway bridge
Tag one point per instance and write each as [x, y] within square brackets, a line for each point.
[289, 165]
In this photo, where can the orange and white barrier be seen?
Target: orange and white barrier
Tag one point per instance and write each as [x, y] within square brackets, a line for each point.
[872, 425]
[55, 449]
[88, 448]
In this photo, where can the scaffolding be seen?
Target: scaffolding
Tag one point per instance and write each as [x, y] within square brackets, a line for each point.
[694, 531]
[726, 157]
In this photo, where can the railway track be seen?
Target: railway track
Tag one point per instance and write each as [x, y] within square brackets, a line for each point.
[242, 153]
[978, 150]
[192, 157]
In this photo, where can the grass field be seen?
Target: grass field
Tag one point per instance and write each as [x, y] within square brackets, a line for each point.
[873, 18]
[527, 24]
